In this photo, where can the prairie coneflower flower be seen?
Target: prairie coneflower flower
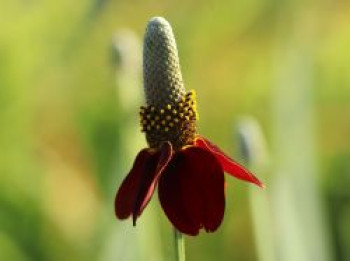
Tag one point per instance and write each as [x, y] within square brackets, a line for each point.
[188, 169]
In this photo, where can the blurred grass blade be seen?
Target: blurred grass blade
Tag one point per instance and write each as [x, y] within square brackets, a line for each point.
[254, 153]
[297, 207]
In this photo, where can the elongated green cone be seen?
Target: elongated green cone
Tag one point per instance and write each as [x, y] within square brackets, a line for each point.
[170, 114]
[161, 68]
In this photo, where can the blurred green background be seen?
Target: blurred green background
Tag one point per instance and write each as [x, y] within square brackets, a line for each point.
[70, 89]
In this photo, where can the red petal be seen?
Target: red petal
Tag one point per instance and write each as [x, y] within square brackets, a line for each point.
[147, 188]
[229, 165]
[128, 191]
[138, 186]
[191, 191]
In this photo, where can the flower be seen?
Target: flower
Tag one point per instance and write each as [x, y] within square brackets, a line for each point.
[188, 169]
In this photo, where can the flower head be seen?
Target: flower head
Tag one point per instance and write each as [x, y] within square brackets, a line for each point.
[188, 169]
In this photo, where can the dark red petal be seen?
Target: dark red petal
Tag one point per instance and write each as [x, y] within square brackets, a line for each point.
[138, 186]
[147, 188]
[128, 191]
[229, 165]
[191, 191]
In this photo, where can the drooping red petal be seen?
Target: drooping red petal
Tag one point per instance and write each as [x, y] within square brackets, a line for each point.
[147, 187]
[229, 165]
[191, 191]
[138, 186]
[144, 165]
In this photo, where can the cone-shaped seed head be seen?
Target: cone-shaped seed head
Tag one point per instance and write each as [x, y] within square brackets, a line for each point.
[170, 114]
[161, 69]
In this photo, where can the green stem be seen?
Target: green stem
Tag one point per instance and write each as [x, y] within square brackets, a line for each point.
[179, 245]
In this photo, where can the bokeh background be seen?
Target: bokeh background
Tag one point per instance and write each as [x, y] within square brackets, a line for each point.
[272, 80]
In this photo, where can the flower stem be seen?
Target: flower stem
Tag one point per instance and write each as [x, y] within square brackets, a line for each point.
[179, 245]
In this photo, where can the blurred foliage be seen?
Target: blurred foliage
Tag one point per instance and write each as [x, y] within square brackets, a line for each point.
[60, 116]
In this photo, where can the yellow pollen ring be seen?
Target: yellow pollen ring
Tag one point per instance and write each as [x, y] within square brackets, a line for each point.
[175, 122]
